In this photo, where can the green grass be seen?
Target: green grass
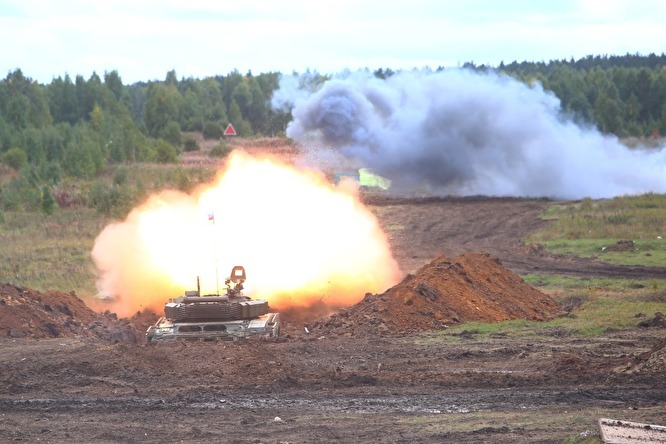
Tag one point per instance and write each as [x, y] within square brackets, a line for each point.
[644, 252]
[53, 252]
[585, 312]
[585, 227]
[629, 217]
[600, 313]
[560, 283]
[50, 252]
[155, 177]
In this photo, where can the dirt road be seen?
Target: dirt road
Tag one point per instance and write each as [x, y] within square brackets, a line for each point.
[328, 387]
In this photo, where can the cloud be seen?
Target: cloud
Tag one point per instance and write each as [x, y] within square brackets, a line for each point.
[144, 39]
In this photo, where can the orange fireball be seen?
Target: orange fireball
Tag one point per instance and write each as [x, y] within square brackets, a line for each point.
[302, 241]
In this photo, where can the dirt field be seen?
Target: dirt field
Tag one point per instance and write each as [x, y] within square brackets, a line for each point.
[338, 384]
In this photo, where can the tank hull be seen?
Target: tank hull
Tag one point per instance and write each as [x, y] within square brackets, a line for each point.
[267, 325]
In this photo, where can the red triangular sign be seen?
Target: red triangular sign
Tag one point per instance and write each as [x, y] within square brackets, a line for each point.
[230, 131]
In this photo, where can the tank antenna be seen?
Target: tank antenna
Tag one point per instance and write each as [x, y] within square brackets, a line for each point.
[211, 217]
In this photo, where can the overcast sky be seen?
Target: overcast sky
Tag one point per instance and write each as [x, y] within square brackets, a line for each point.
[143, 39]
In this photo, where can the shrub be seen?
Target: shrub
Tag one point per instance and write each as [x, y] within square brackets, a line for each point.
[191, 144]
[193, 124]
[120, 176]
[50, 172]
[182, 180]
[212, 130]
[69, 197]
[165, 152]
[171, 133]
[48, 202]
[22, 192]
[221, 150]
[15, 158]
[115, 201]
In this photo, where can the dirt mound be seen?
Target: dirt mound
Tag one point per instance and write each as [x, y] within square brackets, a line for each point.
[470, 287]
[659, 321]
[25, 313]
[652, 361]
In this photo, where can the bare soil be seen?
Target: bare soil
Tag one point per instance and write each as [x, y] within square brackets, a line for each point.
[375, 372]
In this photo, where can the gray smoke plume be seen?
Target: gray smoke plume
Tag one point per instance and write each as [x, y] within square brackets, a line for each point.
[458, 132]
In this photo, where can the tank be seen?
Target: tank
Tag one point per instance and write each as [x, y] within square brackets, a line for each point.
[214, 317]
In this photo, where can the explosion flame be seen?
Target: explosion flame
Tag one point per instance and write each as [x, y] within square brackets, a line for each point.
[302, 241]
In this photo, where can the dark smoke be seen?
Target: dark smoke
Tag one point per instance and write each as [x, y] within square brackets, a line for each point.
[458, 132]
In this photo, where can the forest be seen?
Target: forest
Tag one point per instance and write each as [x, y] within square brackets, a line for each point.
[78, 128]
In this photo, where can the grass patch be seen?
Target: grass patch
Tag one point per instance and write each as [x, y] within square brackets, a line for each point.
[155, 177]
[589, 308]
[642, 252]
[50, 252]
[592, 228]
[561, 283]
[482, 331]
[575, 425]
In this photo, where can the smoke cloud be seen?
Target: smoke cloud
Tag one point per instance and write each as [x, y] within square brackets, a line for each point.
[458, 132]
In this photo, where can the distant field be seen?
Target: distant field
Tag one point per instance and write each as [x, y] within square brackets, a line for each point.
[629, 230]
[50, 252]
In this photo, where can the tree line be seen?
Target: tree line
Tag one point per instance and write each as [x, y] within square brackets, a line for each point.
[84, 124]
[621, 95]
[78, 127]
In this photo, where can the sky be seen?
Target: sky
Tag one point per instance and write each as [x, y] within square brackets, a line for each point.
[144, 39]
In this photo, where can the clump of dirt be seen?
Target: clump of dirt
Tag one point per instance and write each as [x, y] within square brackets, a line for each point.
[659, 321]
[470, 287]
[26, 313]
